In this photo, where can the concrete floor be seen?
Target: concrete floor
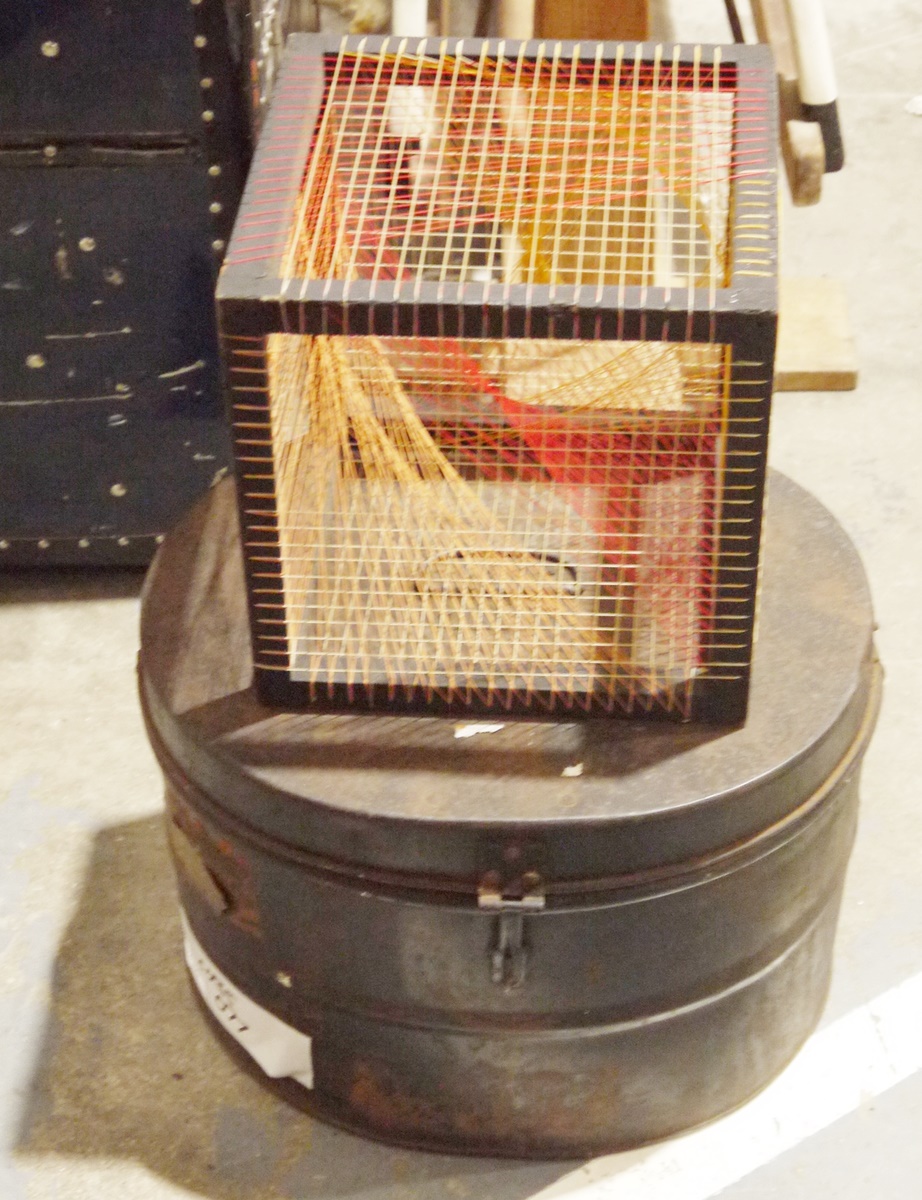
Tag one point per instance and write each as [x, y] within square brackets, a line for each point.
[112, 1086]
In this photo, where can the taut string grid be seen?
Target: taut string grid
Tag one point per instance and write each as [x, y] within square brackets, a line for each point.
[499, 326]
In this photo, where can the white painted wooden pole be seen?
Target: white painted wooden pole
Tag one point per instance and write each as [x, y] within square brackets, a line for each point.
[816, 75]
[409, 18]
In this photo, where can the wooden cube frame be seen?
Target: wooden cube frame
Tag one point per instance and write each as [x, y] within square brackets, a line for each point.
[256, 300]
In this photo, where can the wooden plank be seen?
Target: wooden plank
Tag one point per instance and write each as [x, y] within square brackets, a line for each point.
[804, 161]
[771, 22]
[816, 349]
[801, 141]
[627, 20]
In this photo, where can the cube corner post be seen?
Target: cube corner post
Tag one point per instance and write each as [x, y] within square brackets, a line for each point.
[498, 322]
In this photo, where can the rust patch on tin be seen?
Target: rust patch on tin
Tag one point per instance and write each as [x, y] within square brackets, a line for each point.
[574, 1109]
[212, 866]
[386, 1108]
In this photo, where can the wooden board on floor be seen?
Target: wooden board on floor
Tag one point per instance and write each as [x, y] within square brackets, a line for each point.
[816, 349]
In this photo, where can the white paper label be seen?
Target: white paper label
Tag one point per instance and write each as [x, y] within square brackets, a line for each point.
[282, 1052]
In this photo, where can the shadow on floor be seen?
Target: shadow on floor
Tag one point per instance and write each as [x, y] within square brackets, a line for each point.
[129, 1069]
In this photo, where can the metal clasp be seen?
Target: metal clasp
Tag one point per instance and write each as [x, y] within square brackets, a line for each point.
[509, 954]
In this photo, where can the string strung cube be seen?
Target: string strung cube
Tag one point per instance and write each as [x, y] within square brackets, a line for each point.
[499, 324]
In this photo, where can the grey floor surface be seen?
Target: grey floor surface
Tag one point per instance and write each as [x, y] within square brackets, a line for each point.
[110, 1085]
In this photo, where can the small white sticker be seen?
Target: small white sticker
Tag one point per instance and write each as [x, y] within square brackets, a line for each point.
[572, 772]
[282, 1052]
[472, 729]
